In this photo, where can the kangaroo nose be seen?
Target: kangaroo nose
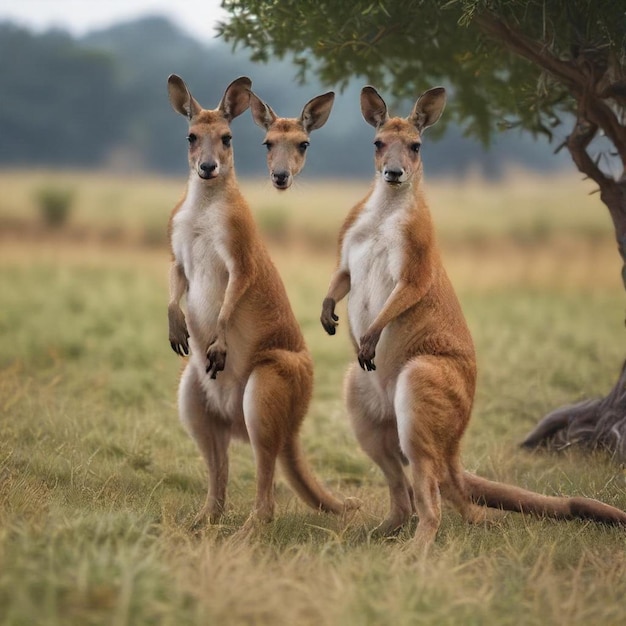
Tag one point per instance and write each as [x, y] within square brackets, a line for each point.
[207, 168]
[281, 179]
[392, 174]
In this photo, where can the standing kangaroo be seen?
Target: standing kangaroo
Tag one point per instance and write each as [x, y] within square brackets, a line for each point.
[412, 395]
[287, 139]
[249, 373]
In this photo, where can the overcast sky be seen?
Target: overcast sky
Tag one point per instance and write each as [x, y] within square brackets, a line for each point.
[197, 17]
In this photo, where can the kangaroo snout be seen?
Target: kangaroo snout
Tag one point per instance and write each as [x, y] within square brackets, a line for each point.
[207, 169]
[281, 179]
[393, 175]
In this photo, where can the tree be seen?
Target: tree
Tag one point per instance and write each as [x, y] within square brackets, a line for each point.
[535, 64]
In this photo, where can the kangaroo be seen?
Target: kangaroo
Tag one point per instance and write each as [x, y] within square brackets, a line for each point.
[411, 394]
[249, 373]
[287, 139]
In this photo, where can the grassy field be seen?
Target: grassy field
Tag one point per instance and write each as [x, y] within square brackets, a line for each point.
[99, 483]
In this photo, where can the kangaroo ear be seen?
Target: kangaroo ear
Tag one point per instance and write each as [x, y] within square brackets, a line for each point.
[316, 111]
[262, 113]
[180, 97]
[373, 107]
[236, 98]
[428, 108]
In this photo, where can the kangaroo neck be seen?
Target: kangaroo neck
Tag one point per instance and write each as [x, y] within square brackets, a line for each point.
[210, 191]
[389, 198]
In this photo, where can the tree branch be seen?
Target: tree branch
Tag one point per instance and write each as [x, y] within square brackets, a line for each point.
[599, 113]
[577, 143]
[582, 83]
[521, 45]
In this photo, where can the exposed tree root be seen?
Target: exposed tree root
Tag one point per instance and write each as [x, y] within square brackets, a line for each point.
[599, 423]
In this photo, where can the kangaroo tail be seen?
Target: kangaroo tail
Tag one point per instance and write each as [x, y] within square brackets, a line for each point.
[502, 496]
[304, 483]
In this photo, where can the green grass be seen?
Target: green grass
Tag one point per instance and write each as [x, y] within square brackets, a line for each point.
[99, 482]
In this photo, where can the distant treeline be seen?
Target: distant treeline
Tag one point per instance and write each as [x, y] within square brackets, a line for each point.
[101, 101]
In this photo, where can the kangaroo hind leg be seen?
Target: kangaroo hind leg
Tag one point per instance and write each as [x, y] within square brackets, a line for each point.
[376, 431]
[432, 405]
[211, 432]
[266, 409]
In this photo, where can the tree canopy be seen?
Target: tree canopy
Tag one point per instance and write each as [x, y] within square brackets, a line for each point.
[479, 48]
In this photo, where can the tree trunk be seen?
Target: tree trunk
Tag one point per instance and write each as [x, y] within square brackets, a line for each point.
[599, 423]
[595, 79]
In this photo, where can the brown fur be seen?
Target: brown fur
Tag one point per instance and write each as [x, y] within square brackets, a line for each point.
[249, 373]
[412, 396]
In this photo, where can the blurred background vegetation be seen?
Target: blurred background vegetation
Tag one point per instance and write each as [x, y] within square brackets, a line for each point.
[100, 101]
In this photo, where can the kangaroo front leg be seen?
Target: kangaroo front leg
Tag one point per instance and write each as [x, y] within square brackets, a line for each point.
[403, 297]
[216, 353]
[337, 290]
[178, 334]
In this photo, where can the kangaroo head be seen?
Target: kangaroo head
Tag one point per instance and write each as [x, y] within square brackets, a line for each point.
[209, 136]
[398, 140]
[287, 139]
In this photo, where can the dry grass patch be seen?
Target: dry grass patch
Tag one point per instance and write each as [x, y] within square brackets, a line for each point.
[99, 483]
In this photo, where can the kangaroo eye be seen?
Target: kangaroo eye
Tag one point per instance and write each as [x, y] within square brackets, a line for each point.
[303, 146]
[226, 140]
[415, 147]
[379, 144]
[191, 138]
[268, 145]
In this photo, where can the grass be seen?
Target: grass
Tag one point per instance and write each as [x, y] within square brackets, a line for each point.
[98, 481]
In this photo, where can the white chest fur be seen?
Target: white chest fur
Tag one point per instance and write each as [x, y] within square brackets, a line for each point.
[200, 245]
[372, 253]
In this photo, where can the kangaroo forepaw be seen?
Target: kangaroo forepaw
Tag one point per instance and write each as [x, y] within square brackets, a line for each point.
[367, 351]
[178, 334]
[216, 359]
[328, 318]
[366, 364]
